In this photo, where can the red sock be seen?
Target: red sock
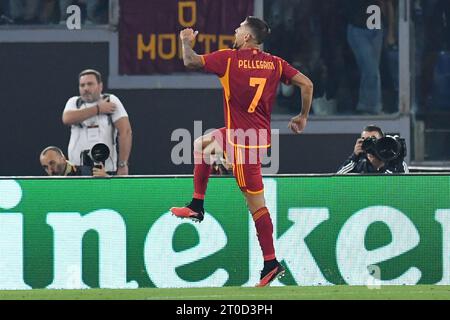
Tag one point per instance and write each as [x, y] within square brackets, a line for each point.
[201, 175]
[264, 231]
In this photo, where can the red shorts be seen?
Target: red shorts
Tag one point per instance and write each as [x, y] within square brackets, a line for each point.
[246, 163]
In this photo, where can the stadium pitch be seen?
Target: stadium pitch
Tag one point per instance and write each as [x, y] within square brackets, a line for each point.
[338, 292]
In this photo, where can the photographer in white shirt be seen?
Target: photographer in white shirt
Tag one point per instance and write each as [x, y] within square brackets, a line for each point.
[98, 118]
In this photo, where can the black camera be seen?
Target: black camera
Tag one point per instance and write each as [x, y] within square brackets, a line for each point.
[388, 148]
[96, 156]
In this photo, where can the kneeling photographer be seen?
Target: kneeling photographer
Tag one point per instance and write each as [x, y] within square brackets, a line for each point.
[54, 163]
[376, 153]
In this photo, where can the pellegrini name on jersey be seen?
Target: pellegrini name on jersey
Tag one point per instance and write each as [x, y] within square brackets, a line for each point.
[256, 64]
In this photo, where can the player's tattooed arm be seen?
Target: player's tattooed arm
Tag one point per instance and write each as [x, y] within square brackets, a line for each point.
[190, 58]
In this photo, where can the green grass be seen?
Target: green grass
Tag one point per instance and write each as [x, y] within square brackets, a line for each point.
[418, 292]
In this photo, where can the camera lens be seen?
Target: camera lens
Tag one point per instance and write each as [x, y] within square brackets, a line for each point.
[387, 148]
[100, 152]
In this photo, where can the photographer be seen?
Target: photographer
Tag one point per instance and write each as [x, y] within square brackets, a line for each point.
[55, 163]
[95, 117]
[372, 155]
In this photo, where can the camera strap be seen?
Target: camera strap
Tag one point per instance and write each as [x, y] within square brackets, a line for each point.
[70, 168]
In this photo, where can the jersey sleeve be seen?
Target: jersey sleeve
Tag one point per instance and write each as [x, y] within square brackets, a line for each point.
[216, 62]
[287, 72]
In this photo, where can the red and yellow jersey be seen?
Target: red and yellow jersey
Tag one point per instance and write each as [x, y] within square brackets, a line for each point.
[250, 79]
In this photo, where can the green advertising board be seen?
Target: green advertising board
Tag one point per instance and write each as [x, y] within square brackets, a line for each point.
[118, 233]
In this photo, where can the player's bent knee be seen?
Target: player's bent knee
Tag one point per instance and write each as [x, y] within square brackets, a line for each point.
[201, 143]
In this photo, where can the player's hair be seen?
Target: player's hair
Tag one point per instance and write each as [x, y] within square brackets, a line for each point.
[52, 148]
[260, 29]
[97, 74]
[372, 128]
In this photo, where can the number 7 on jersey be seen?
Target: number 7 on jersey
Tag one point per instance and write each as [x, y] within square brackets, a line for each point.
[261, 83]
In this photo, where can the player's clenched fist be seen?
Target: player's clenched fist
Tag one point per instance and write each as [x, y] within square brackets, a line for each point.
[188, 34]
[297, 124]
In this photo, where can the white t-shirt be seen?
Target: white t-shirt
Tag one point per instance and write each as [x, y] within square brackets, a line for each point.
[97, 129]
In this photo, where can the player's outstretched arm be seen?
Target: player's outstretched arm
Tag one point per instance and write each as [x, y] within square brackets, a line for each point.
[190, 58]
[298, 123]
